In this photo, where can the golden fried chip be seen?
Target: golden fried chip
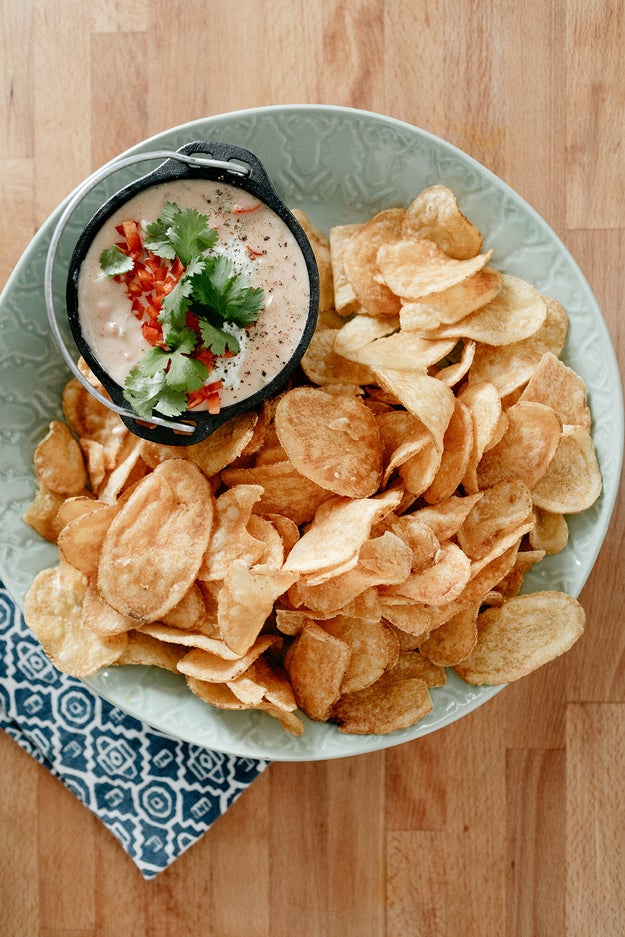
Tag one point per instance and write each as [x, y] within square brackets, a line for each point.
[550, 532]
[360, 260]
[454, 303]
[454, 640]
[91, 420]
[391, 703]
[100, 618]
[368, 644]
[80, 541]
[316, 664]
[322, 365]
[145, 651]
[434, 214]
[572, 482]
[503, 508]
[321, 249]
[510, 366]
[335, 442]
[212, 454]
[59, 462]
[42, 513]
[418, 269]
[425, 397]
[153, 549]
[230, 539]
[54, 615]
[559, 387]
[517, 312]
[338, 531]
[525, 450]
[345, 301]
[525, 633]
[203, 665]
[457, 449]
[442, 581]
[246, 600]
[190, 611]
[382, 560]
[285, 490]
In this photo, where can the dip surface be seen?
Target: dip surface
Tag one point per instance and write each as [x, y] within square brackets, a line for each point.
[260, 246]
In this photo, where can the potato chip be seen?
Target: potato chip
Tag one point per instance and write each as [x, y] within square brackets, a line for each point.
[428, 399]
[203, 665]
[91, 420]
[230, 539]
[442, 581]
[550, 532]
[145, 651]
[94, 455]
[41, 514]
[517, 312]
[417, 269]
[190, 611]
[322, 365]
[454, 640]
[245, 602]
[262, 529]
[54, 616]
[457, 449]
[337, 533]
[164, 528]
[525, 633]
[453, 304]
[434, 214]
[334, 442]
[445, 518]
[368, 645]
[99, 617]
[415, 664]
[381, 561]
[321, 249]
[503, 508]
[510, 366]
[316, 664]
[525, 450]
[559, 387]
[572, 482]
[285, 490]
[452, 373]
[169, 634]
[212, 454]
[361, 264]
[80, 541]
[345, 300]
[391, 703]
[59, 462]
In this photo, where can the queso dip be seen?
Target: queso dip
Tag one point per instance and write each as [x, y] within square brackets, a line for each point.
[260, 247]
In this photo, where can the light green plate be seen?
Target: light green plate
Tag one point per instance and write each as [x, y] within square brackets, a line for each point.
[339, 166]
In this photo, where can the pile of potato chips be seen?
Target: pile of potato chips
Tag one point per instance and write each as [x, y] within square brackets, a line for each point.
[339, 548]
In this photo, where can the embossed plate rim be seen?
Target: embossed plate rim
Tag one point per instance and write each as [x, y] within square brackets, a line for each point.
[157, 697]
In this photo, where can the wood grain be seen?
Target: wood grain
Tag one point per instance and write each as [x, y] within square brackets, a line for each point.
[512, 821]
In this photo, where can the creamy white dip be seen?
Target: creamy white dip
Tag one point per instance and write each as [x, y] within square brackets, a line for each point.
[260, 246]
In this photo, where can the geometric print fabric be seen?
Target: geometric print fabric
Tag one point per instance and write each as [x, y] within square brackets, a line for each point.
[157, 795]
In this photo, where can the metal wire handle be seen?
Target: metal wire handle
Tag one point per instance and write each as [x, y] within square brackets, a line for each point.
[90, 183]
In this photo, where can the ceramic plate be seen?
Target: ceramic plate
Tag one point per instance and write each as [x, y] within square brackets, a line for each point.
[338, 165]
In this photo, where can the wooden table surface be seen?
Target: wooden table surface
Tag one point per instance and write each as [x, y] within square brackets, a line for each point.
[511, 821]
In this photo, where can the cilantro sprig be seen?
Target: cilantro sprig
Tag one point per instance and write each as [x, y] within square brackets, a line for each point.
[208, 295]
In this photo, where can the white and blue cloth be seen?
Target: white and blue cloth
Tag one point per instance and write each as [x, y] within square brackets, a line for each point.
[156, 794]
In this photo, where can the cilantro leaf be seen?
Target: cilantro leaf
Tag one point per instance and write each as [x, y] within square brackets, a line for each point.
[225, 293]
[183, 234]
[114, 261]
[162, 380]
[217, 340]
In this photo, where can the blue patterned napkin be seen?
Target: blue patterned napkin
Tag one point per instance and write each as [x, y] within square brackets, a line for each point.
[156, 794]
